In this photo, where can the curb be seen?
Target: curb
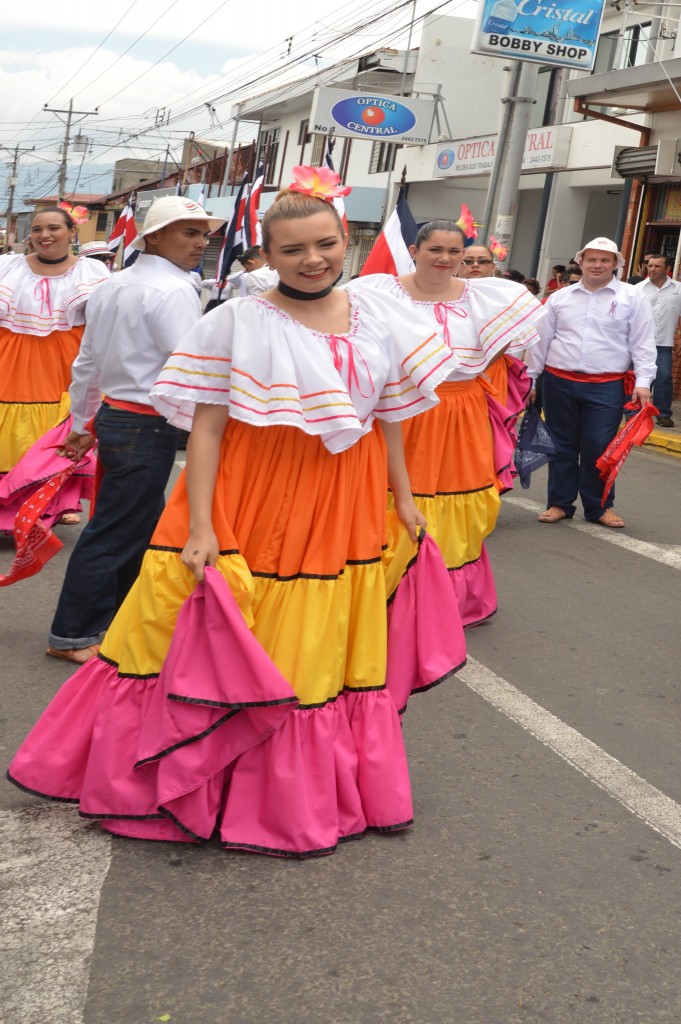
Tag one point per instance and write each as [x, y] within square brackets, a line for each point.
[668, 442]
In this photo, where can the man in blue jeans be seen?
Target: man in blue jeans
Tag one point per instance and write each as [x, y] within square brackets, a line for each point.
[664, 296]
[590, 334]
[139, 319]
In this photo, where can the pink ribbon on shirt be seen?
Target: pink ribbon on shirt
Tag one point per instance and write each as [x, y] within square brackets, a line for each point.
[353, 377]
[42, 292]
[442, 311]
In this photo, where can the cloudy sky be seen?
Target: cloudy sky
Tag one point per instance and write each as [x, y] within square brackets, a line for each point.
[137, 60]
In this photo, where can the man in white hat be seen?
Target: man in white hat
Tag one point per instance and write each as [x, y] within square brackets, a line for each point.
[140, 318]
[590, 335]
[98, 251]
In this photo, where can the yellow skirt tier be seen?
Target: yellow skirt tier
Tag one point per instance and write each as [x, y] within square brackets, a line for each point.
[301, 535]
[35, 374]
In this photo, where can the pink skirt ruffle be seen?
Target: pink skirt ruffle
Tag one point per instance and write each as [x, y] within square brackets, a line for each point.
[216, 744]
[39, 464]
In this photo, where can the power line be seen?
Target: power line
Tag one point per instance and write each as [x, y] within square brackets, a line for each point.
[93, 54]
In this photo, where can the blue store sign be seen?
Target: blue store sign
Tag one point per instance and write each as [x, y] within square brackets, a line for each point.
[561, 34]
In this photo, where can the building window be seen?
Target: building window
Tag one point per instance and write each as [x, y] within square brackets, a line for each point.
[383, 157]
[632, 54]
[303, 133]
[318, 147]
[102, 221]
[267, 153]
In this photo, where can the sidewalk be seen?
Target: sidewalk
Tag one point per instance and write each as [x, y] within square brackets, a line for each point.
[668, 438]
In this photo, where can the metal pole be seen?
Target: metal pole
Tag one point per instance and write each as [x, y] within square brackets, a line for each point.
[541, 223]
[500, 149]
[406, 56]
[508, 192]
[65, 148]
[230, 158]
[10, 202]
[622, 214]
[65, 153]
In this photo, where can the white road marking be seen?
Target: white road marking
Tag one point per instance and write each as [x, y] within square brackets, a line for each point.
[645, 801]
[667, 554]
[52, 869]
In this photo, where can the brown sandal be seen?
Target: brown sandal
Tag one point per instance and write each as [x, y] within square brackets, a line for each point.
[78, 656]
[611, 520]
[69, 519]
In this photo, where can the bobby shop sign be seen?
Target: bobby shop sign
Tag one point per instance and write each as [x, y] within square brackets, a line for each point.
[372, 116]
[563, 33]
[545, 149]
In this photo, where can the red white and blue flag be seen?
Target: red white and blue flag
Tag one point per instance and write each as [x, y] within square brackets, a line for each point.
[252, 229]
[338, 200]
[233, 237]
[125, 230]
[390, 252]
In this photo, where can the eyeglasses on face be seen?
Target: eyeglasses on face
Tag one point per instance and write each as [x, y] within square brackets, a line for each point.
[483, 261]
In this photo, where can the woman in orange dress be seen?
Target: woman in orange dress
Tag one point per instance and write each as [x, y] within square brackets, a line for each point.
[459, 455]
[256, 703]
[42, 303]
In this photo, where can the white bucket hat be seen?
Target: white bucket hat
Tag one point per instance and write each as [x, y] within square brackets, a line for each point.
[603, 245]
[167, 210]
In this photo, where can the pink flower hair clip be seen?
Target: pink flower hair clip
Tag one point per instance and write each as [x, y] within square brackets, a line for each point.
[78, 214]
[497, 249]
[320, 182]
[467, 223]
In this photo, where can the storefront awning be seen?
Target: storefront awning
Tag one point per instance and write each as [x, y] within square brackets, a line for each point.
[645, 88]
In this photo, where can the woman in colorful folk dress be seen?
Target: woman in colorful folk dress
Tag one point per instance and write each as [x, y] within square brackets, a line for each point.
[284, 738]
[459, 456]
[42, 302]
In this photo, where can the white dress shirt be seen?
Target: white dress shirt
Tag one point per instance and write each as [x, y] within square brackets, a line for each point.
[603, 331]
[259, 281]
[133, 323]
[666, 303]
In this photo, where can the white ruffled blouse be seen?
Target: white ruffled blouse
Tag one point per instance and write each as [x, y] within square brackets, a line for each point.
[31, 304]
[492, 314]
[269, 369]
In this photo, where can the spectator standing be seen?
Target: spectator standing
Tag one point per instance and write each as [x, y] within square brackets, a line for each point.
[555, 283]
[591, 333]
[664, 296]
[134, 321]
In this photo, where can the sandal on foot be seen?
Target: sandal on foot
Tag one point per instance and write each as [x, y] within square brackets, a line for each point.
[612, 521]
[79, 655]
[69, 519]
[552, 515]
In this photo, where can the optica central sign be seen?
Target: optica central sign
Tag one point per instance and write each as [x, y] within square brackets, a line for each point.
[373, 116]
[545, 149]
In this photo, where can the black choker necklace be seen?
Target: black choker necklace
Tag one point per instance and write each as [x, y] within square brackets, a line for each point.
[293, 293]
[62, 259]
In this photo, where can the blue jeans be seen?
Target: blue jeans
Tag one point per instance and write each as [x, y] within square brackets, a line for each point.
[662, 385]
[137, 454]
[583, 419]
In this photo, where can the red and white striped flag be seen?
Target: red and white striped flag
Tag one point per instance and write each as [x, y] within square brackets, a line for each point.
[390, 252]
[125, 230]
[252, 229]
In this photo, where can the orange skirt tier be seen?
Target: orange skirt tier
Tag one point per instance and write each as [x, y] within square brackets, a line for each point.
[301, 535]
[457, 473]
[35, 374]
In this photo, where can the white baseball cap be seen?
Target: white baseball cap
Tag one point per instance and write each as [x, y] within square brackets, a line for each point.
[167, 210]
[603, 245]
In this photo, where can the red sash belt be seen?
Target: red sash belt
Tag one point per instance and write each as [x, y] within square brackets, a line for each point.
[627, 376]
[143, 410]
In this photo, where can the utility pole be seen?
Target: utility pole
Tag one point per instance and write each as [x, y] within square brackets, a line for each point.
[12, 186]
[65, 145]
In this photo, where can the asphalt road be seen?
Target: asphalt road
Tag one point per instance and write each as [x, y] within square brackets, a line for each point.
[539, 884]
